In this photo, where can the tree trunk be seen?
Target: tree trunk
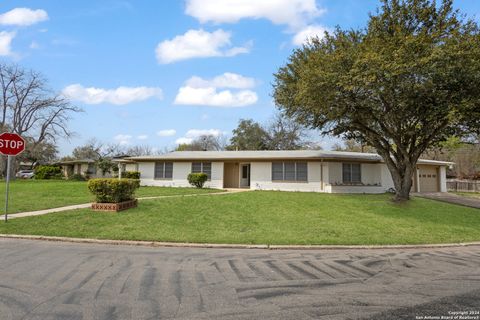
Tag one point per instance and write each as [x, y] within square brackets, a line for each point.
[402, 180]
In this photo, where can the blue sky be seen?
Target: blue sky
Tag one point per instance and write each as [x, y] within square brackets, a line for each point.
[161, 72]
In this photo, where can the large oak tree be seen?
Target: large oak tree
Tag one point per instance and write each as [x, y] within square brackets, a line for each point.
[404, 83]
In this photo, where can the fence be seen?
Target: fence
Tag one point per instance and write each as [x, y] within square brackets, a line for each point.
[463, 185]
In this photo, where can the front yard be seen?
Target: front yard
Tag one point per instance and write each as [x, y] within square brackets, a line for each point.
[267, 217]
[29, 195]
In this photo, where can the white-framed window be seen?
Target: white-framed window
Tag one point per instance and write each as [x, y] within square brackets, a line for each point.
[163, 170]
[289, 171]
[351, 173]
[202, 167]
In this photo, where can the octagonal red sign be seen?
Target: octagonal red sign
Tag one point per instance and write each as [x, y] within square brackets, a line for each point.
[11, 144]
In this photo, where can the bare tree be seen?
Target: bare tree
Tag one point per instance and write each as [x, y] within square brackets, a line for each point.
[206, 142]
[92, 149]
[29, 108]
[285, 134]
[140, 150]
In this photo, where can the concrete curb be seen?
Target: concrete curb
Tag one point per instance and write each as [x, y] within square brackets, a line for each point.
[234, 246]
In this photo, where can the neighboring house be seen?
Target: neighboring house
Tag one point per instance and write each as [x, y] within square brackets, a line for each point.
[125, 164]
[302, 170]
[84, 167]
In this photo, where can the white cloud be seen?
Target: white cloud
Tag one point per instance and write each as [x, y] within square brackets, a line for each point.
[34, 45]
[23, 17]
[192, 134]
[166, 133]
[118, 96]
[195, 133]
[198, 44]
[294, 13]
[202, 92]
[142, 137]
[214, 98]
[6, 43]
[226, 80]
[183, 141]
[307, 33]
[123, 139]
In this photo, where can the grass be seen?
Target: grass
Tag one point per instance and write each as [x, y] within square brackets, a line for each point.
[267, 217]
[29, 195]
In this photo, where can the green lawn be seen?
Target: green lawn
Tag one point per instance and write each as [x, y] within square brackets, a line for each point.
[267, 217]
[28, 195]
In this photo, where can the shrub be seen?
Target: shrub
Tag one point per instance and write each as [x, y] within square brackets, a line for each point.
[106, 166]
[197, 179]
[48, 172]
[77, 177]
[113, 190]
[131, 175]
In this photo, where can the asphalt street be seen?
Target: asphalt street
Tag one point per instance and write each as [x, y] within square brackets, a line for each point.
[53, 280]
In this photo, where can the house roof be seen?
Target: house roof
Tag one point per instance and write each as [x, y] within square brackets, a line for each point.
[272, 155]
[76, 161]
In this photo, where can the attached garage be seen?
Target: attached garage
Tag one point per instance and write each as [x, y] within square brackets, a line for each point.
[429, 178]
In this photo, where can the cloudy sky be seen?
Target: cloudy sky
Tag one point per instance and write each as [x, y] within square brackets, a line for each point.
[165, 72]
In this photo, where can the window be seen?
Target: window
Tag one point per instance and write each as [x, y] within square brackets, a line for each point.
[352, 173]
[163, 170]
[289, 171]
[205, 167]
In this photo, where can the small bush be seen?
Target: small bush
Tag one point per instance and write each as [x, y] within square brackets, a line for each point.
[113, 190]
[77, 177]
[197, 179]
[48, 172]
[131, 175]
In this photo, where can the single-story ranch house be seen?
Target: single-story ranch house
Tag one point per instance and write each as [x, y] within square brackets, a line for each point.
[302, 170]
[84, 167]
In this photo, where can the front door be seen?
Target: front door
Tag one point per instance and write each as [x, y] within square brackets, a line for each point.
[245, 176]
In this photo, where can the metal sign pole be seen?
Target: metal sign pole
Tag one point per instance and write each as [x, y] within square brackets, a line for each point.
[7, 183]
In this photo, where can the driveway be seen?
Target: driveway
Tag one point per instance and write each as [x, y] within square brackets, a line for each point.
[452, 198]
[53, 280]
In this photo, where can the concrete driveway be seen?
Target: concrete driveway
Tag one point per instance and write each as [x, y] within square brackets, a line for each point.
[52, 280]
[452, 198]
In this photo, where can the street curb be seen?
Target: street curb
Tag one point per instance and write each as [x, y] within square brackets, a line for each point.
[235, 246]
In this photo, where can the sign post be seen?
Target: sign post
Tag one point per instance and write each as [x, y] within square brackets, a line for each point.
[11, 144]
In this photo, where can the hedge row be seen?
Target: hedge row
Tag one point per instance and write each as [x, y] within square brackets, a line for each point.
[48, 172]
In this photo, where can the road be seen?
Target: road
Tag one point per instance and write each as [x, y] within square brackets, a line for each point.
[53, 280]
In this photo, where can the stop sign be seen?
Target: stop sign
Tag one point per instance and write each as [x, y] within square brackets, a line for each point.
[11, 144]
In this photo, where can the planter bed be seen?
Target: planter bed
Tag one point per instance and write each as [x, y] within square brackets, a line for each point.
[114, 206]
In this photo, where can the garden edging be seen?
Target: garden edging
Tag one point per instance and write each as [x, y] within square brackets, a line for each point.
[233, 246]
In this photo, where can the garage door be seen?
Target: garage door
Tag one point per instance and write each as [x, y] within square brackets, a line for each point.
[428, 179]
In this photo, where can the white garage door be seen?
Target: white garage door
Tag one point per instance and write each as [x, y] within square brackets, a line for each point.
[428, 179]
